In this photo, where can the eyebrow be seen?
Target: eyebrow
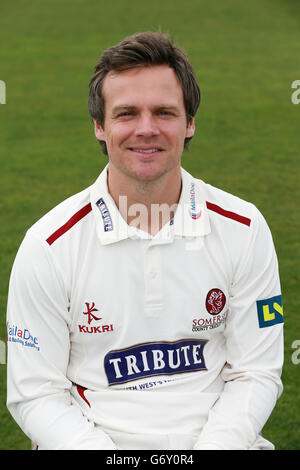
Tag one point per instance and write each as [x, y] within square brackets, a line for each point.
[122, 107]
[129, 107]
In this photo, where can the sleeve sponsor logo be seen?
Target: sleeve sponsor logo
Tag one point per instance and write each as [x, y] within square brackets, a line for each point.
[154, 359]
[270, 311]
[22, 336]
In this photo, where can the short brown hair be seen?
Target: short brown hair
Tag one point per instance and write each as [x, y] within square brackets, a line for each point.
[144, 50]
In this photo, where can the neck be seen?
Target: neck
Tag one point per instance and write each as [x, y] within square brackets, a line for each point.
[147, 205]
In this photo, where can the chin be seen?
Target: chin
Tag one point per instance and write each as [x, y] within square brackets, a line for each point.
[149, 174]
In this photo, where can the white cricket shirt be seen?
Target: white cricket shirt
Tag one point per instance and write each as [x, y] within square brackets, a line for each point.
[119, 339]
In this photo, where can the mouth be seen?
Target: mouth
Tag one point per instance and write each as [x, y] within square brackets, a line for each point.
[146, 152]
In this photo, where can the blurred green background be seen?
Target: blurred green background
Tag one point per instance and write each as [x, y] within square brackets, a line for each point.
[246, 56]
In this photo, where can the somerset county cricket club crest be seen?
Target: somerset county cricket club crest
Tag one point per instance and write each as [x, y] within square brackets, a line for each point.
[215, 301]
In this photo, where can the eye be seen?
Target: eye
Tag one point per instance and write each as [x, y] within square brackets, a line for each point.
[166, 113]
[125, 113]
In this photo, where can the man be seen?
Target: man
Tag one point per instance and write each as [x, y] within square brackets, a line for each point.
[145, 312]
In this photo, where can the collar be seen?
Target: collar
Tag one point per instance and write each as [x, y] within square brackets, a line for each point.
[190, 220]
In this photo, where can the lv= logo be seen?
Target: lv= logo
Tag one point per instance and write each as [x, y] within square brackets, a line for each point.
[270, 311]
[90, 309]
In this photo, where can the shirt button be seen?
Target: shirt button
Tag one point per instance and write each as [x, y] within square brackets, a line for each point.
[153, 274]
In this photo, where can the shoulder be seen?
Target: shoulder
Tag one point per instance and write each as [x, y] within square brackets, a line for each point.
[49, 246]
[235, 221]
[62, 218]
[228, 209]
[238, 228]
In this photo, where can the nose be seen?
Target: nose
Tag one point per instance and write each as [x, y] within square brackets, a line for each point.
[146, 126]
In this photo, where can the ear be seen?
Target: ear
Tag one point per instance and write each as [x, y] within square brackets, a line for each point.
[99, 131]
[190, 130]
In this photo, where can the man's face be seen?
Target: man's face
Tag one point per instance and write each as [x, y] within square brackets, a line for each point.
[145, 121]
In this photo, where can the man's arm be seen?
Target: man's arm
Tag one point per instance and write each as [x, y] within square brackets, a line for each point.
[38, 390]
[254, 340]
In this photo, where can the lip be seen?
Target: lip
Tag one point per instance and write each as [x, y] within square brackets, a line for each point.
[145, 152]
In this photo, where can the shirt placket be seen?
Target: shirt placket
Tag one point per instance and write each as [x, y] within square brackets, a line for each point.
[153, 276]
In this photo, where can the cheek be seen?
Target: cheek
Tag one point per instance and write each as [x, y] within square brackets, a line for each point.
[176, 136]
[117, 135]
[174, 130]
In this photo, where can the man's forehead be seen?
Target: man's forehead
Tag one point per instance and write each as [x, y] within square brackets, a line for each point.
[154, 79]
[155, 75]
[141, 69]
